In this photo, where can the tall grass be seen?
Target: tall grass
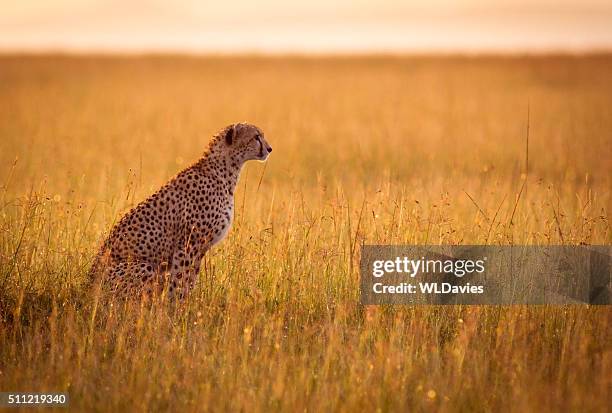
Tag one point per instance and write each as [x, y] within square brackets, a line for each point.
[374, 150]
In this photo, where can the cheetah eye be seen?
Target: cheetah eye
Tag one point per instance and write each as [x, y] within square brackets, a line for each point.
[258, 138]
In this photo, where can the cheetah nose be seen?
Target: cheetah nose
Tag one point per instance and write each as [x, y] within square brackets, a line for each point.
[269, 149]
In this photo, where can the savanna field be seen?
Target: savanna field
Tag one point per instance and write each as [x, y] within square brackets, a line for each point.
[389, 150]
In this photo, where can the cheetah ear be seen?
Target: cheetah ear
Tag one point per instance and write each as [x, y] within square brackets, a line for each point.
[230, 135]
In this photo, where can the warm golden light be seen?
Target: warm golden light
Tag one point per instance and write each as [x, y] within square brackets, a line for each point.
[308, 26]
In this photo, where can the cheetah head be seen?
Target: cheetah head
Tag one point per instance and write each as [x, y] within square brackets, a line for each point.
[245, 142]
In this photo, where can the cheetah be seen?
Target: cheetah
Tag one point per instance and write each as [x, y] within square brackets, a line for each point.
[161, 242]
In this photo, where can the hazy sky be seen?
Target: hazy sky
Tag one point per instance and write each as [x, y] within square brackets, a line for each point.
[305, 26]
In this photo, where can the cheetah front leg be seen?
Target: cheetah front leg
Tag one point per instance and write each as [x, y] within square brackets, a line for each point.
[184, 271]
[186, 261]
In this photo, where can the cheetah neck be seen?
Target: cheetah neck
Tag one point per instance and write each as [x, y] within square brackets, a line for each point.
[226, 167]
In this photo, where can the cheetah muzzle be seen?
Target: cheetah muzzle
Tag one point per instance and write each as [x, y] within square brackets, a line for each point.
[160, 243]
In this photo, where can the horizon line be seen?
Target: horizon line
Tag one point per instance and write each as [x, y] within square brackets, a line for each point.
[161, 53]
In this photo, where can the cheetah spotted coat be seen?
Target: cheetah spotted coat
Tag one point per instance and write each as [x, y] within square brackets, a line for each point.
[161, 242]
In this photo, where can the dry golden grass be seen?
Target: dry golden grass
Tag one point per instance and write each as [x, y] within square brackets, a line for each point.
[375, 150]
